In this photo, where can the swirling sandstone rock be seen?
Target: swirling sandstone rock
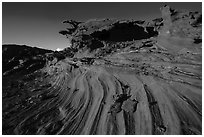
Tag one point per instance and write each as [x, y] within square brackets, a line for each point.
[124, 87]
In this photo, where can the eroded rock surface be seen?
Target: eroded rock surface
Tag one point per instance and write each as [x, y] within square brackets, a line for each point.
[110, 82]
[181, 31]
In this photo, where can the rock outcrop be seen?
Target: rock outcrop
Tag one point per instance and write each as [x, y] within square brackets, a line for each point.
[119, 77]
[95, 34]
[182, 30]
[21, 57]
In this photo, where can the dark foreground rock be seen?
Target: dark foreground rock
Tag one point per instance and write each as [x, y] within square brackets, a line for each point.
[118, 77]
[23, 58]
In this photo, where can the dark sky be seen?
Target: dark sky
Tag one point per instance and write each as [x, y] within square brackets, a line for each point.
[37, 24]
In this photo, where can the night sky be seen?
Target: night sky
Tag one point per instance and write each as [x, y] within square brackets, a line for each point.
[38, 24]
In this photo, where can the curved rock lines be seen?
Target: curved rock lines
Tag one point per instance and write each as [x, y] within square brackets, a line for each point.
[147, 97]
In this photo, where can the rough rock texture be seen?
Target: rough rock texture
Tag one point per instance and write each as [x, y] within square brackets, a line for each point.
[97, 33]
[118, 77]
[181, 31]
[21, 57]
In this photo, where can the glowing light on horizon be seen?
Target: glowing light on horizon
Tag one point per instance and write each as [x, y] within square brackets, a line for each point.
[59, 49]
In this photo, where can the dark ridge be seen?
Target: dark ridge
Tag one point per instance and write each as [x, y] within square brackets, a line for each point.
[157, 121]
[98, 115]
[129, 123]
[23, 58]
